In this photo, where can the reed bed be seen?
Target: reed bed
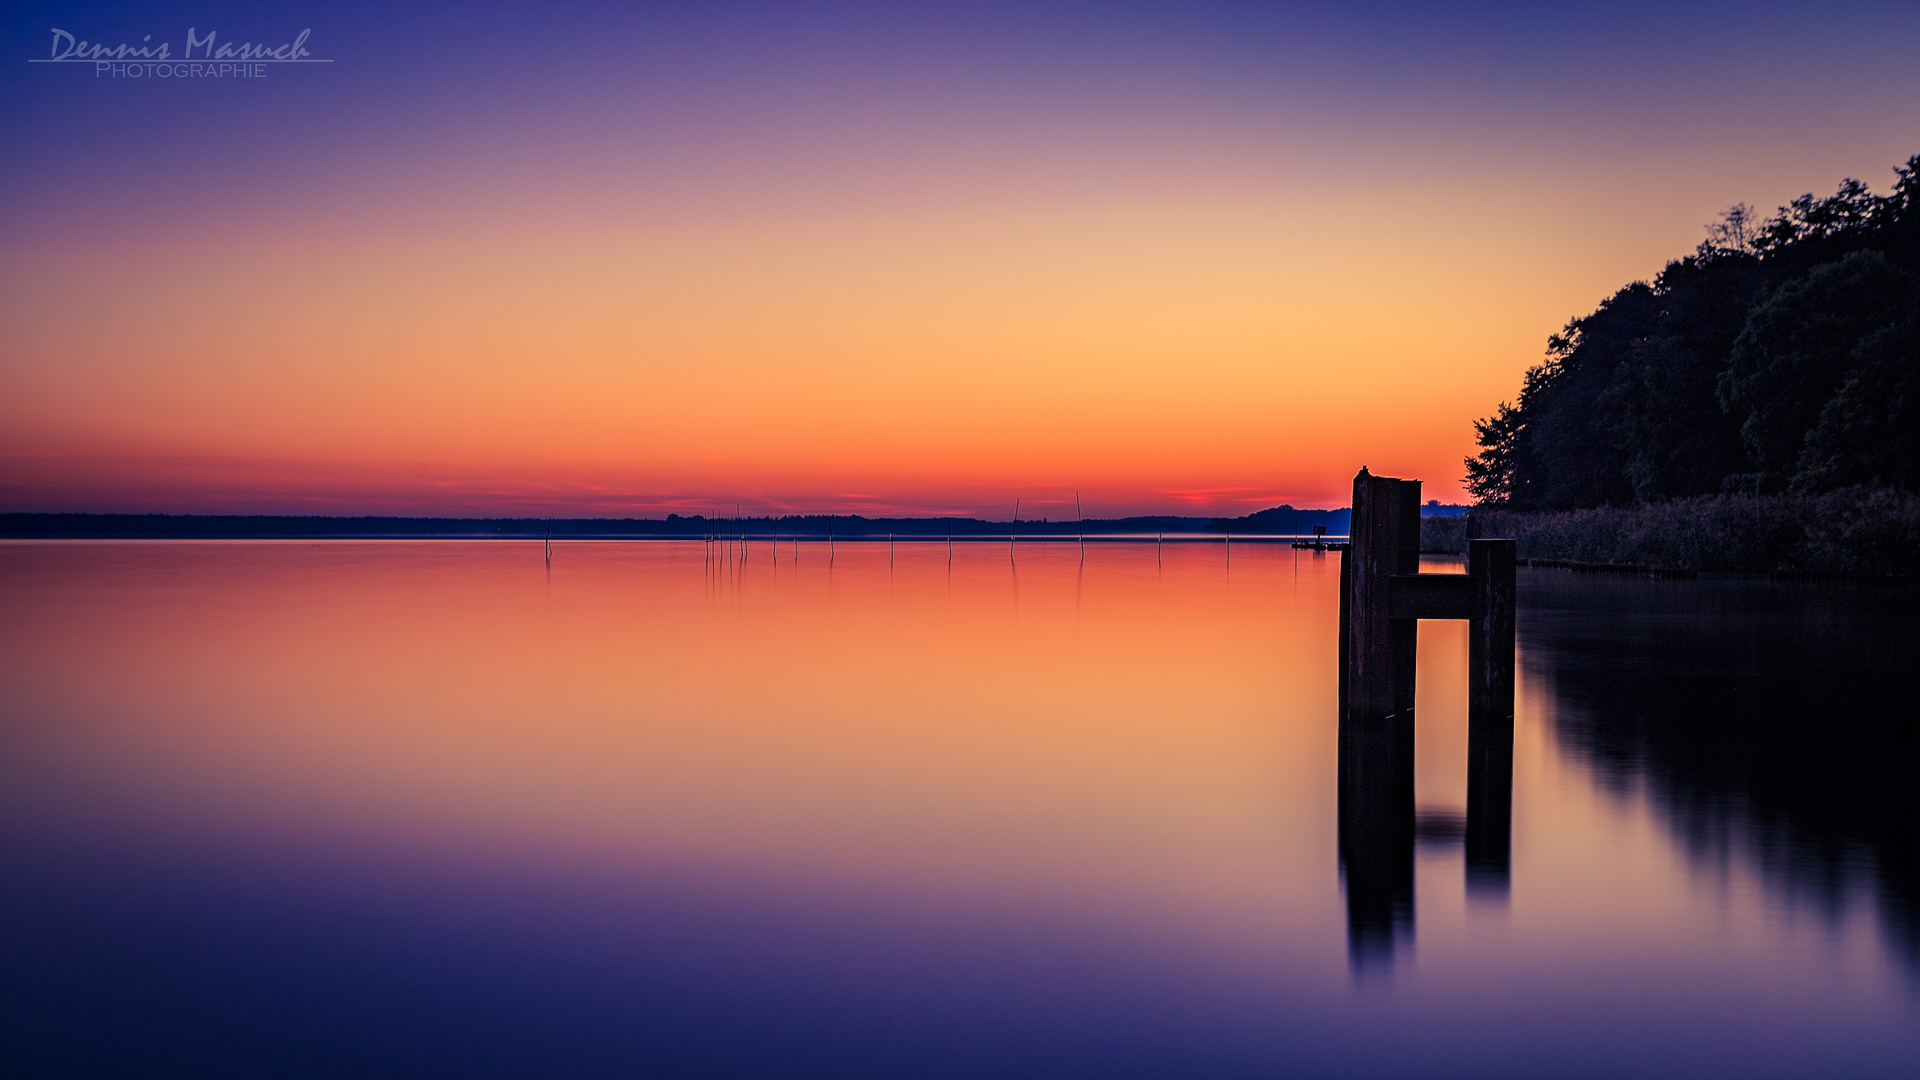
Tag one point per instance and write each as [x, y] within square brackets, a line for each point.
[1858, 531]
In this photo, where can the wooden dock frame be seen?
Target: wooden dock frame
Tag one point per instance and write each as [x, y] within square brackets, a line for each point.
[1383, 596]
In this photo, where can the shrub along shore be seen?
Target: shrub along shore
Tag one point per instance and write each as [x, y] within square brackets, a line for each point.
[1855, 532]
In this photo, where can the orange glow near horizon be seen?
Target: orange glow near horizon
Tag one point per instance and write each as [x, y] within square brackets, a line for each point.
[852, 279]
[1156, 360]
[1213, 358]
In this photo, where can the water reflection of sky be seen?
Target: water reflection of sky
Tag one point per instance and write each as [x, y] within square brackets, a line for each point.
[416, 808]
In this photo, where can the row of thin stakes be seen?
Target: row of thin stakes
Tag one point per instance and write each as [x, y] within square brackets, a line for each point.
[721, 534]
[720, 539]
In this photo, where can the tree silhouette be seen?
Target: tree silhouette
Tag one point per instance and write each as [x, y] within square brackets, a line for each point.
[1781, 354]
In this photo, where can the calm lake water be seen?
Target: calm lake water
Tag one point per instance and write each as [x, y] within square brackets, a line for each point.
[417, 808]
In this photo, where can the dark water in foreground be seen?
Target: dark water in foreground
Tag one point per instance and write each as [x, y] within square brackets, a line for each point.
[427, 808]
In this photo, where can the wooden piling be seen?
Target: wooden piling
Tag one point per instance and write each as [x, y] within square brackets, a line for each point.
[1383, 596]
[1490, 563]
[1377, 650]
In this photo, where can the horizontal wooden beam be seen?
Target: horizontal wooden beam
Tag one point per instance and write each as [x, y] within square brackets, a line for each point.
[1430, 596]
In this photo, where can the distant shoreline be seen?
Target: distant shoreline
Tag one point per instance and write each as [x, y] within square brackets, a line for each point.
[1278, 523]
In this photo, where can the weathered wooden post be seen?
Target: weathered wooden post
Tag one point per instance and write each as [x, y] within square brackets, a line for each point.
[1490, 563]
[1377, 650]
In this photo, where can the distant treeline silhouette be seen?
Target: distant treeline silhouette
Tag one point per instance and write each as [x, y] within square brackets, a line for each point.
[1280, 520]
[1783, 355]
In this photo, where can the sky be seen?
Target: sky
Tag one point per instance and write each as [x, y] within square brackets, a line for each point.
[627, 260]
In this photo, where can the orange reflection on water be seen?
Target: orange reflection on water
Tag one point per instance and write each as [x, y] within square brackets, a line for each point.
[1142, 721]
[1140, 737]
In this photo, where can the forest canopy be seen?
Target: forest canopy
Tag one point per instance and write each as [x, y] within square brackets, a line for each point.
[1782, 355]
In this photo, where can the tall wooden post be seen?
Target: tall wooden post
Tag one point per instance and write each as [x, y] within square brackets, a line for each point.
[1490, 563]
[1377, 651]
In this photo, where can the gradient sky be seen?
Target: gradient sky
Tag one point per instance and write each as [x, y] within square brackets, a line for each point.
[591, 260]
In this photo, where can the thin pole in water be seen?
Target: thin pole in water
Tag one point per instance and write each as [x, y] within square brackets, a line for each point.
[1077, 512]
[1015, 534]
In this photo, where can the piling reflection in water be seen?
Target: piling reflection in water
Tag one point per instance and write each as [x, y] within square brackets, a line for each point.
[1376, 836]
[1380, 829]
[1489, 837]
